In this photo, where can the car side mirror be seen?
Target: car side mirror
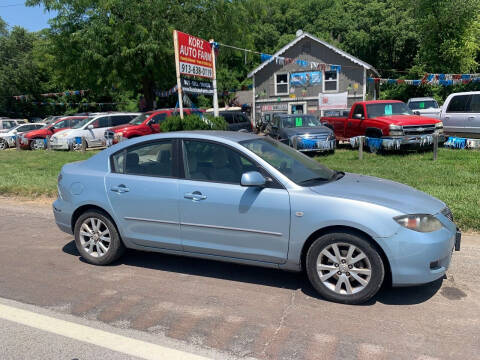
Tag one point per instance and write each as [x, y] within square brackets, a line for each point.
[14, 131]
[90, 127]
[358, 116]
[416, 112]
[253, 178]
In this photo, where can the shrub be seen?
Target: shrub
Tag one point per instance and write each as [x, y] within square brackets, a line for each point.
[194, 122]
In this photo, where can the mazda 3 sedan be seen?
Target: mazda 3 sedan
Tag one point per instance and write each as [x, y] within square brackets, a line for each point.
[247, 199]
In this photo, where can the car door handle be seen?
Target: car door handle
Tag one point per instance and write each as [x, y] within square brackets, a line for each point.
[120, 189]
[195, 196]
[471, 118]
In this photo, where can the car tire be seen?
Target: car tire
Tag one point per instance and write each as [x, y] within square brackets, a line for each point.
[343, 280]
[33, 145]
[3, 144]
[92, 230]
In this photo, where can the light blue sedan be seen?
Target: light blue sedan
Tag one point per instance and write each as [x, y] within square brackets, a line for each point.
[252, 200]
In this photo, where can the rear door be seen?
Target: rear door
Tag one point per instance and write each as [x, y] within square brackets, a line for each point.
[96, 135]
[142, 188]
[456, 114]
[472, 122]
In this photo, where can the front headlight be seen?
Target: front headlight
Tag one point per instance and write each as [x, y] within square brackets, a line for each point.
[395, 130]
[419, 222]
[439, 125]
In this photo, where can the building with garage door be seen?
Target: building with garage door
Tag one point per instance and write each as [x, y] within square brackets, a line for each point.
[309, 75]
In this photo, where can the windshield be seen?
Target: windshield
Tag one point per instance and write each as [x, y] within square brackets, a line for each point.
[420, 105]
[300, 121]
[81, 123]
[139, 119]
[296, 166]
[387, 109]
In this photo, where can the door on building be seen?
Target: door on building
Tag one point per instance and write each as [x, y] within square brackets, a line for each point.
[297, 108]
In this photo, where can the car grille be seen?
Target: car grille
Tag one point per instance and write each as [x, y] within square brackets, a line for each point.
[109, 134]
[418, 129]
[447, 213]
[316, 136]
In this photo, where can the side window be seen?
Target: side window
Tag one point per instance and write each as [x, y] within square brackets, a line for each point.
[159, 118]
[214, 162]
[228, 118]
[150, 159]
[120, 120]
[474, 106]
[358, 110]
[61, 124]
[74, 122]
[101, 122]
[240, 118]
[457, 104]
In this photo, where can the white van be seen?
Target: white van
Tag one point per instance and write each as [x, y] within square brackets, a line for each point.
[92, 129]
[461, 114]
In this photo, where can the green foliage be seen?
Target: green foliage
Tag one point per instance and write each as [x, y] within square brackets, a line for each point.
[194, 122]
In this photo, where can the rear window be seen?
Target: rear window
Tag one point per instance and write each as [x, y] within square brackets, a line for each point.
[421, 105]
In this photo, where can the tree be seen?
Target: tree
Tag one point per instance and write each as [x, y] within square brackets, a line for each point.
[450, 30]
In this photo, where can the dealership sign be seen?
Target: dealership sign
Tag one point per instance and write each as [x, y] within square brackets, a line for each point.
[195, 56]
[196, 86]
[332, 101]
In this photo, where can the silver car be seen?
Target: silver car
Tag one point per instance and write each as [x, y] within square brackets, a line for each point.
[252, 200]
[461, 114]
[425, 106]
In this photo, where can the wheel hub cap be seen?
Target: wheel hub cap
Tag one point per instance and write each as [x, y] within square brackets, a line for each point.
[95, 237]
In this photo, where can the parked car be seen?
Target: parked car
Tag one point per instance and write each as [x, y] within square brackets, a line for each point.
[7, 124]
[265, 120]
[461, 114]
[235, 118]
[390, 119]
[425, 106]
[8, 139]
[36, 139]
[303, 132]
[91, 128]
[249, 199]
[144, 124]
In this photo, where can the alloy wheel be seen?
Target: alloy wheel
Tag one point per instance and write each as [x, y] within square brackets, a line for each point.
[344, 268]
[95, 237]
[3, 144]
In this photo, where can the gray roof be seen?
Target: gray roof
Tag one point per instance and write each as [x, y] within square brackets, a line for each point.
[331, 47]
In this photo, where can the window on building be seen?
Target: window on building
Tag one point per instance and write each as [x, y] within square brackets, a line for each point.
[331, 81]
[281, 84]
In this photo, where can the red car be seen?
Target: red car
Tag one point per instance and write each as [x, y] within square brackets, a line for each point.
[28, 140]
[144, 124]
[390, 119]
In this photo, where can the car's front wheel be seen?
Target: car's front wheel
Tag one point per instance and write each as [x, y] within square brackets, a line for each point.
[97, 239]
[3, 144]
[344, 267]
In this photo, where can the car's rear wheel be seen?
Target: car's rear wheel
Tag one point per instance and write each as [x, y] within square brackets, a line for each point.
[97, 238]
[3, 144]
[344, 267]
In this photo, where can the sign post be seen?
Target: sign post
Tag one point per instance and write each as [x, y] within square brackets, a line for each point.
[215, 93]
[177, 68]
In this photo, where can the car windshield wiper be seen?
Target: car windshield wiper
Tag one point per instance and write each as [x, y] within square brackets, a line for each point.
[337, 175]
[320, 179]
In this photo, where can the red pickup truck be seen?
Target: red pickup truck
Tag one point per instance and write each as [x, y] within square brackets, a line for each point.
[388, 119]
[144, 124]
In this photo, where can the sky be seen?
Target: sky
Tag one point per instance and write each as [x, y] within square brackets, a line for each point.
[14, 12]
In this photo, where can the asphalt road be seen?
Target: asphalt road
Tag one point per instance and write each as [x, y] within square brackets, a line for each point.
[237, 310]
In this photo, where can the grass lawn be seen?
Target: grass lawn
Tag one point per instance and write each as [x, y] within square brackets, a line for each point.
[453, 178]
[34, 173]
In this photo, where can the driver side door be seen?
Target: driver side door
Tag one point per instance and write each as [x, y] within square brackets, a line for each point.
[221, 217]
[354, 126]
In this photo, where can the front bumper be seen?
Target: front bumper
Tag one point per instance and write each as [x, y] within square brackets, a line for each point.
[418, 258]
[410, 141]
[313, 145]
[60, 143]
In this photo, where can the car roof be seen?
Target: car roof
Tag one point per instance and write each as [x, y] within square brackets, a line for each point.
[421, 98]
[380, 101]
[466, 93]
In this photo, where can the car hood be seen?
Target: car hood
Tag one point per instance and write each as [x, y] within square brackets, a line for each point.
[407, 119]
[65, 133]
[307, 130]
[38, 132]
[122, 127]
[381, 192]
